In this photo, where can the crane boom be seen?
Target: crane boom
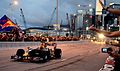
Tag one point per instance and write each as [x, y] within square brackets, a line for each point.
[68, 22]
[23, 17]
[52, 16]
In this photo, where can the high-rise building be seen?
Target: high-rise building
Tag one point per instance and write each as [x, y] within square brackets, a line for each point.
[115, 6]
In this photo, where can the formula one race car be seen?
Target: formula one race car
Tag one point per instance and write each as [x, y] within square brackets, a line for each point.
[38, 55]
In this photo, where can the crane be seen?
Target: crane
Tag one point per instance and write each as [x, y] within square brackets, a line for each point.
[68, 22]
[23, 17]
[52, 16]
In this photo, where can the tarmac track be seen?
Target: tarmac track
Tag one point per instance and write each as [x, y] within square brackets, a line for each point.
[75, 55]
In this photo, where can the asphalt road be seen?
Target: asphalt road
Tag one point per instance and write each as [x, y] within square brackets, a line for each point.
[76, 56]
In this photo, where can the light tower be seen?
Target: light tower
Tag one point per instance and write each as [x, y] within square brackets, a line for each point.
[23, 17]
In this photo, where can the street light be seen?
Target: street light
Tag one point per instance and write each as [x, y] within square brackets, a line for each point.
[12, 5]
[80, 11]
[15, 2]
[57, 19]
[79, 5]
[90, 9]
[90, 5]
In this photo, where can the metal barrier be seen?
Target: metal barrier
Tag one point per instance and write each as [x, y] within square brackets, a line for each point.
[18, 44]
[27, 44]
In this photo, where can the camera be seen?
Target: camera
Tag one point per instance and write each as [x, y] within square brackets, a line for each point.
[106, 49]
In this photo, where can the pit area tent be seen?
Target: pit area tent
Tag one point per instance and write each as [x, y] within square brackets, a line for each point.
[6, 25]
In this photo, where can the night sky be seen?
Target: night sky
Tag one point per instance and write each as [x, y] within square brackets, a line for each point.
[38, 12]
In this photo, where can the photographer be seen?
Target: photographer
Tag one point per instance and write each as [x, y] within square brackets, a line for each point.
[110, 59]
[117, 60]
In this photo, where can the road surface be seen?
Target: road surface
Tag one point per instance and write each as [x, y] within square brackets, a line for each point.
[76, 56]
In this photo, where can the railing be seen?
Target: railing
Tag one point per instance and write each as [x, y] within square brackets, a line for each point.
[18, 44]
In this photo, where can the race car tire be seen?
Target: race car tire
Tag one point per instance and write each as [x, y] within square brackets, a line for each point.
[48, 54]
[45, 58]
[45, 53]
[57, 53]
[20, 53]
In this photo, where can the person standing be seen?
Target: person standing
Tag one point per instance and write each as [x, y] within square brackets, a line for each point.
[116, 56]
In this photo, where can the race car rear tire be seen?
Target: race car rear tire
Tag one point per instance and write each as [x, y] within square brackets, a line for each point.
[57, 53]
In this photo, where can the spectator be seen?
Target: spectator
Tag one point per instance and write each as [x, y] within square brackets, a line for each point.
[113, 54]
[119, 50]
[106, 33]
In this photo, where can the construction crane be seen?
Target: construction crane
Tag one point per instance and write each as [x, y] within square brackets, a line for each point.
[68, 21]
[52, 16]
[23, 17]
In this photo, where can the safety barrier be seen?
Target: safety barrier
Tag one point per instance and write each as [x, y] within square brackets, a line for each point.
[18, 44]
[28, 44]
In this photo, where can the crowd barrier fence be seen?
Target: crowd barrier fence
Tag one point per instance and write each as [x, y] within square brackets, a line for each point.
[18, 44]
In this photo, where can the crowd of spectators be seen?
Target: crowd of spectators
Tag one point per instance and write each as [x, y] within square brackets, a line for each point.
[12, 37]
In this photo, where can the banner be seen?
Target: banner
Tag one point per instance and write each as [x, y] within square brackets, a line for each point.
[6, 24]
[99, 6]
